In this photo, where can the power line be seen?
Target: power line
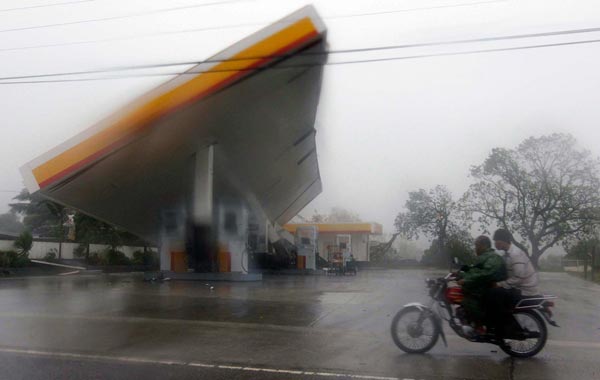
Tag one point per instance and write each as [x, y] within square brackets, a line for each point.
[417, 9]
[156, 11]
[309, 65]
[45, 5]
[223, 27]
[329, 52]
[469, 52]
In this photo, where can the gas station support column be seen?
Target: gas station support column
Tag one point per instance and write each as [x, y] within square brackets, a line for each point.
[203, 197]
[201, 241]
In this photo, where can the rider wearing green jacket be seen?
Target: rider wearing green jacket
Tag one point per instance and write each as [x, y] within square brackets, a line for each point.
[489, 268]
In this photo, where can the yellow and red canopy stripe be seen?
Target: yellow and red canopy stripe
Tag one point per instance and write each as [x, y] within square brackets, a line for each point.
[222, 74]
[338, 228]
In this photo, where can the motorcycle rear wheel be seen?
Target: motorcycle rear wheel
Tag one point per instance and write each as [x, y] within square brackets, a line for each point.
[414, 330]
[531, 322]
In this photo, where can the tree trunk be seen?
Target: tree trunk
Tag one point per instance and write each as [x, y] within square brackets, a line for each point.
[535, 256]
[445, 256]
[593, 264]
[60, 241]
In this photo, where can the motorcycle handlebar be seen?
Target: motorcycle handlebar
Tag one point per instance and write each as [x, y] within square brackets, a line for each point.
[451, 276]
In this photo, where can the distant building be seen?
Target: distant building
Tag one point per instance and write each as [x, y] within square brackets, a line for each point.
[350, 238]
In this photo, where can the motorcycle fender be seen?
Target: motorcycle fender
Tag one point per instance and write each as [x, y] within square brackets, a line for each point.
[436, 318]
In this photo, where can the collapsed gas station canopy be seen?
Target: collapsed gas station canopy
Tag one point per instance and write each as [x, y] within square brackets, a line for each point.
[255, 103]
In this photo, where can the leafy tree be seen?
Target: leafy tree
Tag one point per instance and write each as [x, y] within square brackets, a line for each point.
[458, 245]
[461, 246]
[431, 213]
[336, 215]
[545, 192]
[41, 216]
[46, 218]
[90, 230]
[316, 218]
[147, 257]
[24, 243]
[582, 249]
[9, 222]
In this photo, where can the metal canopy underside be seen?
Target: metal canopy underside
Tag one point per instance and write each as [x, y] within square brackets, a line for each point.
[130, 167]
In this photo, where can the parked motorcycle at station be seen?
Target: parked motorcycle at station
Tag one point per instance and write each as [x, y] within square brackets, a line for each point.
[416, 328]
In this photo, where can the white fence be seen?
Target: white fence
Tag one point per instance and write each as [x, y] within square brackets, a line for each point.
[41, 248]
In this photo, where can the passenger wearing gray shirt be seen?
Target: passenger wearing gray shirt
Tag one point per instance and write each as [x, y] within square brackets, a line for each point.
[521, 273]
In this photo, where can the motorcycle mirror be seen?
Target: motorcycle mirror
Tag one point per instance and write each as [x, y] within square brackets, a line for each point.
[456, 263]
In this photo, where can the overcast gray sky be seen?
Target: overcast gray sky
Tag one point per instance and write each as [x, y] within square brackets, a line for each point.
[384, 128]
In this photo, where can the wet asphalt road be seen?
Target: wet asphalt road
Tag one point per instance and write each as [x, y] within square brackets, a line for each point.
[285, 327]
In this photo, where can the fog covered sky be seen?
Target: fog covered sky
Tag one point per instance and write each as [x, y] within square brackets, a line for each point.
[383, 128]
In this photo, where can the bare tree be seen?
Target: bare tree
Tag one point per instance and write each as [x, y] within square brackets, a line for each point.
[545, 191]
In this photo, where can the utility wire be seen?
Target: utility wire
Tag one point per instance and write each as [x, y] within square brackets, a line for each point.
[417, 9]
[45, 5]
[210, 28]
[155, 11]
[328, 52]
[469, 52]
[309, 65]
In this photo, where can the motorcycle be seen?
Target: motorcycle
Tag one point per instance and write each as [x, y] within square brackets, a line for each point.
[416, 328]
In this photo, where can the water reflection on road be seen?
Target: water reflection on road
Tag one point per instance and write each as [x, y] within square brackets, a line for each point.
[336, 323]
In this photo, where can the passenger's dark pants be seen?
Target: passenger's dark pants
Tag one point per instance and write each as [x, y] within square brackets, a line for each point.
[498, 304]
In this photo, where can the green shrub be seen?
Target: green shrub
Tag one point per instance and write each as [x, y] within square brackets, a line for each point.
[50, 255]
[96, 259]
[12, 259]
[115, 257]
[20, 261]
[24, 243]
[108, 256]
[80, 251]
[145, 258]
[111, 256]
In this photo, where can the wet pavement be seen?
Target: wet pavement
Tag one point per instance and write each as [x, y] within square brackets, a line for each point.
[296, 327]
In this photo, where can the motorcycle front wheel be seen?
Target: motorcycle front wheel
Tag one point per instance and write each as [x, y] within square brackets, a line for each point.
[414, 330]
[533, 337]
